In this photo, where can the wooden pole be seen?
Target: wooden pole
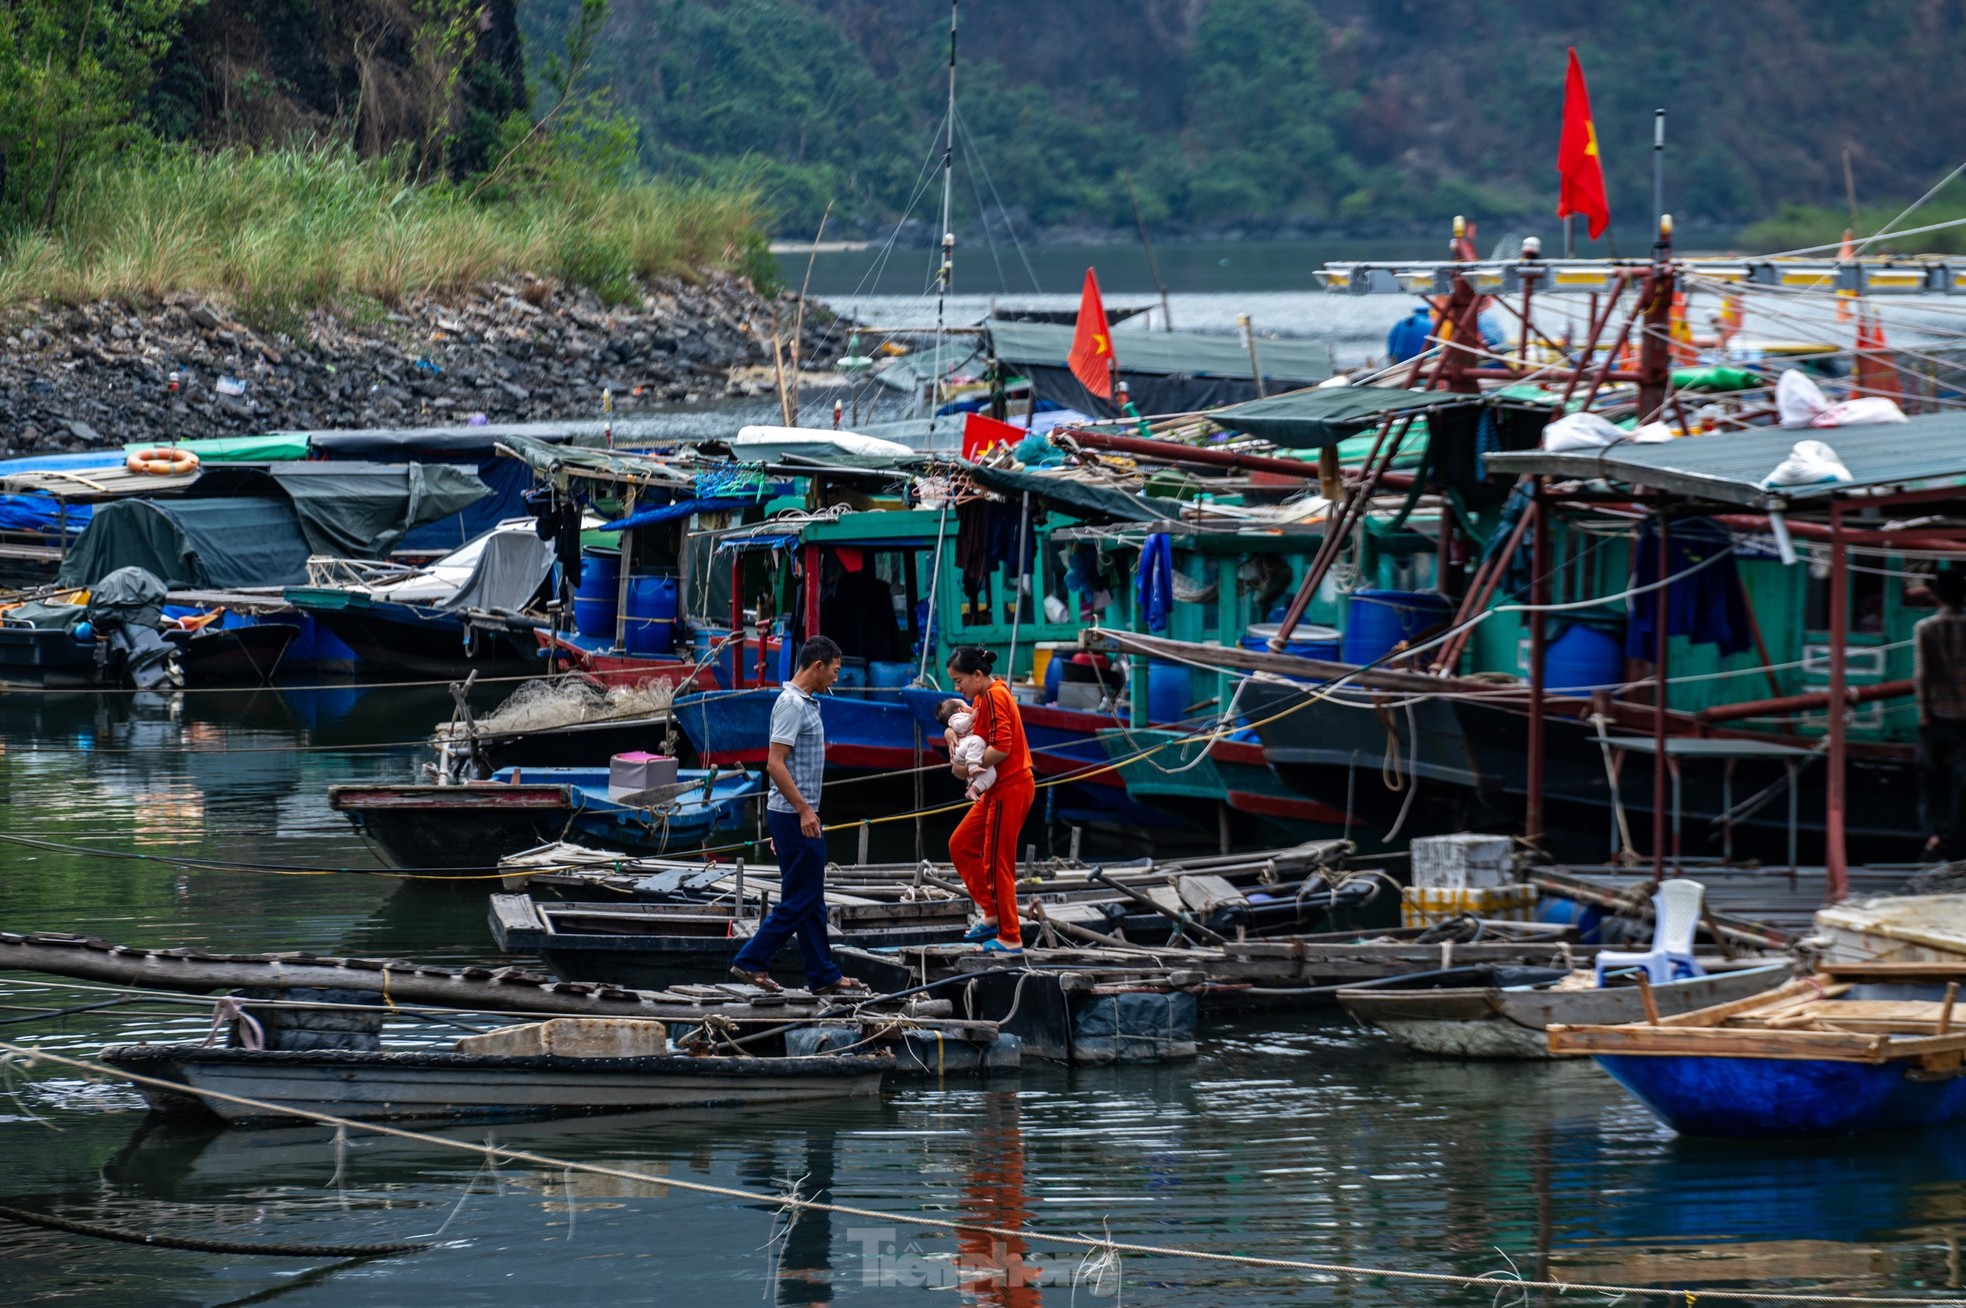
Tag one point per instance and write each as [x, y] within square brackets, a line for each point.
[1945, 1013]
[1166, 314]
[1539, 596]
[799, 318]
[1248, 333]
[1835, 862]
[1646, 998]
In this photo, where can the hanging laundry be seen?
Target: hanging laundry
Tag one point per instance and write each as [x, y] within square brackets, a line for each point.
[1156, 580]
[1705, 607]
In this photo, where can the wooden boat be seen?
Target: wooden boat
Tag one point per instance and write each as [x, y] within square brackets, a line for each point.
[472, 826]
[654, 944]
[1495, 1011]
[1854, 1049]
[428, 1084]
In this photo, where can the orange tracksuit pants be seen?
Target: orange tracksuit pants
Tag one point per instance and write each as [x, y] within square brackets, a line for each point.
[984, 850]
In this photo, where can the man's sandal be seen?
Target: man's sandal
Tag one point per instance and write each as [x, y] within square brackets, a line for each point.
[762, 980]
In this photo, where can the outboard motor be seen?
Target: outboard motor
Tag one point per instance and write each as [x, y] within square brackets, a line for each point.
[126, 608]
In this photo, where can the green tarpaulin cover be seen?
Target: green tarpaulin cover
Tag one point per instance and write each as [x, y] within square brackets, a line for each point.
[1309, 420]
[360, 510]
[1077, 498]
[277, 448]
[215, 544]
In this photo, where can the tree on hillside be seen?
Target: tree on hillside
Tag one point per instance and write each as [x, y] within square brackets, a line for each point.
[71, 72]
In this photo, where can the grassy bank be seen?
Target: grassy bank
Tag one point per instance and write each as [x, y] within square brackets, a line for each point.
[1801, 226]
[305, 227]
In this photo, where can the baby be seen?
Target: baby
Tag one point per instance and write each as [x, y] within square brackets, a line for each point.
[965, 748]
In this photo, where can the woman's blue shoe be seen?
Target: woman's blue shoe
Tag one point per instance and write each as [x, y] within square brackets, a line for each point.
[995, 946]
[980, 932]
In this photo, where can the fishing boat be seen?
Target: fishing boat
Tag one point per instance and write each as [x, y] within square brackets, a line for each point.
[471, 826]
[682, 915]
[1496, 1011]
[429, 1084]
[1856, 1048]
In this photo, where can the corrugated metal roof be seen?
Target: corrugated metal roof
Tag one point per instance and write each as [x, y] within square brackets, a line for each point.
[1928, 451]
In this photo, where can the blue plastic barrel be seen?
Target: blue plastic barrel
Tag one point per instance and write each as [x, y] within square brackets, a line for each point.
[597, 599]
[1583, 658]
[1306, 641]
[890, 676]
[1378, 620]
[1170, 689]
[705, 640]
[650, 622]
[853, 674]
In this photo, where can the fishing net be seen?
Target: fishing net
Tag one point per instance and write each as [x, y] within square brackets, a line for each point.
[567, 700]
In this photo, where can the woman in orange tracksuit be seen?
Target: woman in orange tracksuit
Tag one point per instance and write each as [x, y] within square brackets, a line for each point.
[984, 846]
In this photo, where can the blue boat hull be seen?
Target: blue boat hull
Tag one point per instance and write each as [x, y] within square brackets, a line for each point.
[865, 731]
[1785, 1098]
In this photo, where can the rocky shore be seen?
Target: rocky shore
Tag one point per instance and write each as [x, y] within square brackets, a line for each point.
[85, 376]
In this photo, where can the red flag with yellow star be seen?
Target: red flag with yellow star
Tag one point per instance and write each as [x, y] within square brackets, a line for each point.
[1580, 172]
[1091, 358]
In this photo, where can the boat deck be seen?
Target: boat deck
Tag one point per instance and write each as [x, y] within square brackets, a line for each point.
[1751, 905]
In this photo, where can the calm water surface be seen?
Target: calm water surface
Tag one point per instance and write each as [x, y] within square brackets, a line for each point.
[1316, 1141]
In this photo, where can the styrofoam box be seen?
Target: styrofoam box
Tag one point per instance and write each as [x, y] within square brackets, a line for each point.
[1424, 906]
[1463, 861]
[572, 1037]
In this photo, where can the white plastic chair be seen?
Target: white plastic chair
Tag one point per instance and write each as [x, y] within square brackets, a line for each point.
[1675, 916]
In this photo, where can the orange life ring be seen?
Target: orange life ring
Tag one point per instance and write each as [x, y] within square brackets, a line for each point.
[162, 462]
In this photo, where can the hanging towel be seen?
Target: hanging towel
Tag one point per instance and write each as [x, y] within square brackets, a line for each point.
[1156, 580]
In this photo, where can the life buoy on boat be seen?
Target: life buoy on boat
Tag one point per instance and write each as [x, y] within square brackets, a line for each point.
[162, 462]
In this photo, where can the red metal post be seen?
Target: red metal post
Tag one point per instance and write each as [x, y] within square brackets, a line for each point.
[737, 620]
[812, 595]
[1659, 646]
[1655, 346]
[1834, 859]
[1539, 596]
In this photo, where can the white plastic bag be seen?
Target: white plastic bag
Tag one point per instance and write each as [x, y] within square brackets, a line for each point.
[1581, 431]
[1810, 463]
[1654, 433]
[1798, 399]
[1863, 410]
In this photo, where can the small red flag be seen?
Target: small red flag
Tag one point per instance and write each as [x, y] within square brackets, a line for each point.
[1580, 172]
[1091, 358]
[980, 432]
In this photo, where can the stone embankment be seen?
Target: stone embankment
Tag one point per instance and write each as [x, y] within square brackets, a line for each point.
[84, 376]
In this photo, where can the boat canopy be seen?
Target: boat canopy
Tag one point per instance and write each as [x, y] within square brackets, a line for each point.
[1312, 419]
[561, 463]
[1167, 372]
[1923, 452]
[1077, 499]
[256, 525]
[206, 544]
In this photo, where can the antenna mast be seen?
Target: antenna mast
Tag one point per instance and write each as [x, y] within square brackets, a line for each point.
[946, 271]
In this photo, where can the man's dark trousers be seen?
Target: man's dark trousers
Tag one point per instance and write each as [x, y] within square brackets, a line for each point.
[801, 907]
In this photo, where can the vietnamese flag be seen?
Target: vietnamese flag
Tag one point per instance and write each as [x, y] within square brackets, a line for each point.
[980, 432]
[1580, 172]
[1091, 358]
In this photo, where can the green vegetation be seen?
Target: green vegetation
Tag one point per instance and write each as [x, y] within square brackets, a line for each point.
[1281, 115]
[311, 226]
[1802, 226]
[96, 204]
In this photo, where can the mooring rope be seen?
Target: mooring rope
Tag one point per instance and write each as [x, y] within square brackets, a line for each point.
[779, 1203]
[192, 1244]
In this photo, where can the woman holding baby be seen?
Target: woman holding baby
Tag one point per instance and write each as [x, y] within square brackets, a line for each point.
[989, 754]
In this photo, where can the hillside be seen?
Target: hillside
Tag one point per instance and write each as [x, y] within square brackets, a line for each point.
[1360, 116]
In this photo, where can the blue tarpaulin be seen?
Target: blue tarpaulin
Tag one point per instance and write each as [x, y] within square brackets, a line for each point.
[680, 509]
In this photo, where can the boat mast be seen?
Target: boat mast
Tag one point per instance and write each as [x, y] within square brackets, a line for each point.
[946, 270]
